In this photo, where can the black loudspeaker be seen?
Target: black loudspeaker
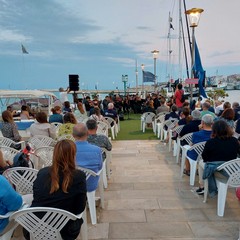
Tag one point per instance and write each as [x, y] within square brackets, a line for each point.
[74, 82]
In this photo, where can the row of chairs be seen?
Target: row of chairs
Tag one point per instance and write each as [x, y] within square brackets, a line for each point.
[232, 168]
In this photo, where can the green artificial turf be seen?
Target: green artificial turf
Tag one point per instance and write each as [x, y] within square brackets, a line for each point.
[130, 129]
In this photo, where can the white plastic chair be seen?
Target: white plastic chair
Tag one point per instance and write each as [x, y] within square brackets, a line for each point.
[102, 128]
[170, 123]
[158, 124]
[176, 130]
[22, 178]
[7, 142]
[44, 157]
[91, 196]
[8, 231]
[56, 125]
[112, 126]
[188, 138]
[106, 167]
[232, 168]
[157, 120]
[147, 118]
[66, 136]
[40, 141]
[8, 153]
[198, 148]
[49, 225]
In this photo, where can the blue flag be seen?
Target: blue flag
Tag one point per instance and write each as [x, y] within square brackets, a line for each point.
[148, 77]
[199, 72]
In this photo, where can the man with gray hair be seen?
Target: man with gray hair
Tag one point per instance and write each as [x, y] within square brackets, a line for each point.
[205, 109]
[88, 156]
[192, 126]
[204, 133]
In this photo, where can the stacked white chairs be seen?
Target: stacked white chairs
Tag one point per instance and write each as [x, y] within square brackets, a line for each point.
[56, 125]
[147, 118]
[44, 157]
[106, 166]
[188, 138]
[22, 178]
[170, 124]
[176, 130]
[91, 196]
[8, 153]
[45, 223]
[158, 123]
[7, 142]
[66, 136]
[198, 148]
[102, 128]
[112, 126]
[40, 141]
[232, 168]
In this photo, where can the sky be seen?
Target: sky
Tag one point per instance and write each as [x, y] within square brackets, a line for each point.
[101, 40]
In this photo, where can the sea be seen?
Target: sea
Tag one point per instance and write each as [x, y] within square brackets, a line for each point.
[233, 96]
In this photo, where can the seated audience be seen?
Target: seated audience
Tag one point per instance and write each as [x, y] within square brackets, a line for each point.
[69, 122]
[88, 156]
[56, 116]
[205, 110]
[236, 108]
[99, 140]
[222, 147]
[10, 200]
[163, 107]
[9, 128]
[66, 107]
[24, 115]
[192, 126]
[228, 116]
[4, 164]
[225, 106]
[42, 127]
[185, 116]
[172, 114]
[148, 108]
[80, 112]
[97, 114]
[201, 136]
[62, 186]
[110, 112]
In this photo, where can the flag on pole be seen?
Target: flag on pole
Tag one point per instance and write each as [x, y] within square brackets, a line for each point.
[24, 51]
[148, 77]
[199, 72]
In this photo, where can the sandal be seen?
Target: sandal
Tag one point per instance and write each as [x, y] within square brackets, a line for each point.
[186, 172]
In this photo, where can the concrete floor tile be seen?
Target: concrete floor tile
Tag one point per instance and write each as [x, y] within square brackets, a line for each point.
[175, 215]
[149, 230]
[123, 216]
[98, 231]
[132, 204]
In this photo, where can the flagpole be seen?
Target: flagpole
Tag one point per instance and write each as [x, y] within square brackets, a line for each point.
[136, 70]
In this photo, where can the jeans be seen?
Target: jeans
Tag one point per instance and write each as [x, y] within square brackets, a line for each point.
[208, 173]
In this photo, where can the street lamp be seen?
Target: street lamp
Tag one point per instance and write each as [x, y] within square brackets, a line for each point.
[124, 80]
[155, 56]
[193, 17]
[142, 67]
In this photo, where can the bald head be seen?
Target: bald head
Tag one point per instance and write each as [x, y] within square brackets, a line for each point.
[80, 132]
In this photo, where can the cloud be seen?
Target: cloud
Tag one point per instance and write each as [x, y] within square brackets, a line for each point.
[7, 35]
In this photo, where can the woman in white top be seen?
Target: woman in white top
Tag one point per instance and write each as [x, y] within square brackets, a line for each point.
[42, 126]
[97, 115]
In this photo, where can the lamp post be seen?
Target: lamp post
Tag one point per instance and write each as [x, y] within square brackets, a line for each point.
[136, 71]
[142, 67]
[193, 17]
[124, 80]
[155, 56]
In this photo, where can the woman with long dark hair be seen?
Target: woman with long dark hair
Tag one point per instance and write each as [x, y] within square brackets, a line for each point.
[222, 147]
[62, 186]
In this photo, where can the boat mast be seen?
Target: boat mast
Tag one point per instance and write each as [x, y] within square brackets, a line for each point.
[169, 72]
[180, 42]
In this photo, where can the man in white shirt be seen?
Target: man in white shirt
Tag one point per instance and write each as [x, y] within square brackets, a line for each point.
[63, 94]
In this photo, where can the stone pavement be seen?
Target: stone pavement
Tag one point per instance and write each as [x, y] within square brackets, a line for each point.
[146, 199]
